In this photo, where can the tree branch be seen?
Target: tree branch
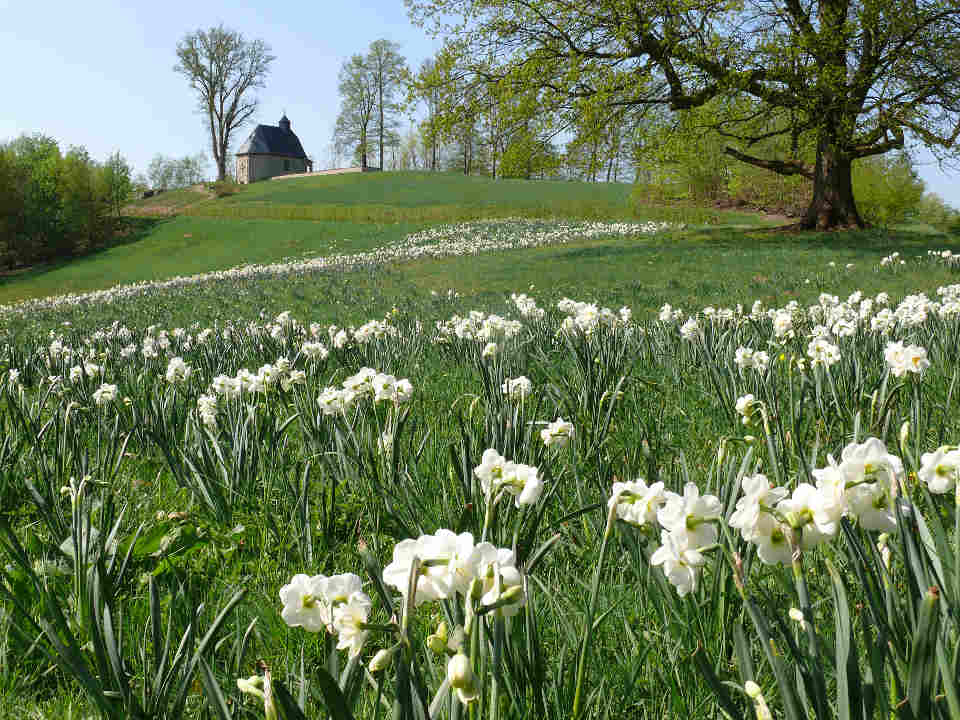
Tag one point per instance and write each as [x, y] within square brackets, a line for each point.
[778, 166]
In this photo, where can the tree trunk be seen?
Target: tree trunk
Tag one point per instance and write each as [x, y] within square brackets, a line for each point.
[380, 83]
[833, 205]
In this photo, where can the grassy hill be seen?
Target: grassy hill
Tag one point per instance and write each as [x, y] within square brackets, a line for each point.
[422, 189]
[427, 197]
[277, 220]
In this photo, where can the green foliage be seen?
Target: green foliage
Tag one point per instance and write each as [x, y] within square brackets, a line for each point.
[527, 156]
[608, 640]
[165, 173]
[831, 84]
[54, 206]
[933, 211]
[223, 188]
[887, 189]
[117, 178]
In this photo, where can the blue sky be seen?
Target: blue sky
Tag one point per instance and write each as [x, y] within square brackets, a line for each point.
[99, 73]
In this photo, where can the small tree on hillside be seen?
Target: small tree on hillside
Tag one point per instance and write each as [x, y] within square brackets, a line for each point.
[358, 99]
[118, 181]
[224, 69]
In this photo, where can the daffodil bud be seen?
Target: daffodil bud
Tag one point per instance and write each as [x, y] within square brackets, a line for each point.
[904, 433]
[476, 588]
[512, 594]
[459, 671]
[797, 616]
[438, 641]
[252, 685]
[759, 703]
[383, 658]
[461, 678]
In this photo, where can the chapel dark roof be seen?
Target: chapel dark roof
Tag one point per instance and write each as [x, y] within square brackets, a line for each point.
[273, 140]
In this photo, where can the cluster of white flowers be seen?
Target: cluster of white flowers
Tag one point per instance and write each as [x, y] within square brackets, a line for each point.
[336, 604]
[314, 350]
[451, 564]
[365, 383]
[861, 486]
[823, 353]
[749, 359]
[902, 360]
[947, 257]
[478, 326]
[559, 433]
[344, 337]
[280, 373]
[690, 329]
[527, 306]
[892, 260]
[497, 474]
[669, 314]
[687, 525]
[517, 388]
[178, 371]
[207, 409]
[104, 394]
[443, 241]
[585, 317]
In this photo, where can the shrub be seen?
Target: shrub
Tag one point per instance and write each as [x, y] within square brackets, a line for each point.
[223, 188]
[887, 189]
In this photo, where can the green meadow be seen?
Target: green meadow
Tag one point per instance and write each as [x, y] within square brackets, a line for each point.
[116, 413]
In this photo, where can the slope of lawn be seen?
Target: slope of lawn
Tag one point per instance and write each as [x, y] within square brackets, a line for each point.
[434, 197]
[273, 221]
[416, 189]
[169, 202]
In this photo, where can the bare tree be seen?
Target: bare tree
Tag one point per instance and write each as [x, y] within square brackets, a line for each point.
[223, 68]
[358, 100]
[389, 72]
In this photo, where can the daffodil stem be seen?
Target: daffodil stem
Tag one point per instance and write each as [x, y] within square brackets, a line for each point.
[591, 610]
[487, 515]
[495, 676]
[804, 597]
[956, 540]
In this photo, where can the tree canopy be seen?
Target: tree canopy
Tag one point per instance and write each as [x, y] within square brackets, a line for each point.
[841, 80]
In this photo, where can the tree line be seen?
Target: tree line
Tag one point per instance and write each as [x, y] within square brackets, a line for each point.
[807, 90]
[805, 114]
[55, 205]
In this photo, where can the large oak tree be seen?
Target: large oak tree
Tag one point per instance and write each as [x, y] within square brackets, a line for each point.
[843, 79]
[224, 69]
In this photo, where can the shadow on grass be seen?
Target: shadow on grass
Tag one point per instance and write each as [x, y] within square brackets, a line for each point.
[131, 231]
